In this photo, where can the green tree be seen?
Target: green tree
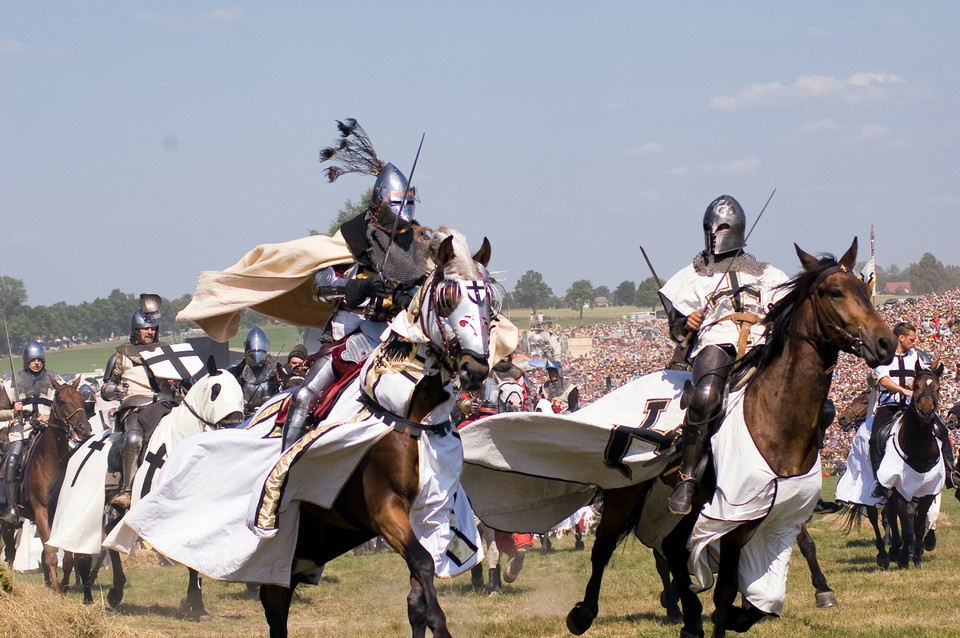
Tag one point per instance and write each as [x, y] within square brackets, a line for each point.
[531, 291]
[625, 294]
[348, 212]
[13, 294]
[579, 294]
[927, 276]
[647, 296]
[601, 291]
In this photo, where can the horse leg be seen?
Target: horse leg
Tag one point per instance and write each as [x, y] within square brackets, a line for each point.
[726, 615]
[50, 570]
[824, 595]
[192, 607]
[276, 607]
[84, 565]
[883, 559]
[618, 507]
[68, 562]
[9, 543]
[676, 552]
[908, 518]
[115, 595]
[669, 599]
[895, 516]
[919, 526]
[423, 605]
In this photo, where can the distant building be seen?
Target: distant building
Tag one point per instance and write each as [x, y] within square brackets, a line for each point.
[601, 302]
[897, 288]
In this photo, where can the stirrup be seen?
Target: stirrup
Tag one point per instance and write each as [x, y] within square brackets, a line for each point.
[11, 516]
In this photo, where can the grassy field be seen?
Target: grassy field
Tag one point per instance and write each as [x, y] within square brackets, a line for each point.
[365, 595]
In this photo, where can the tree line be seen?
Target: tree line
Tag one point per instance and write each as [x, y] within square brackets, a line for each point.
[86, 322]
[929, 275]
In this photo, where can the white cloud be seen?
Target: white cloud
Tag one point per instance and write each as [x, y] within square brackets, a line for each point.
[10, 47]
[616, 106]
[875, 132]
[826, 124]
[859, 88]
[647, 148]
[818, 33]
[226, 15]
[677, 170]
[733, 167]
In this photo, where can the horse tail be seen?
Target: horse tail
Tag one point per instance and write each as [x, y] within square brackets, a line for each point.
[850, 518]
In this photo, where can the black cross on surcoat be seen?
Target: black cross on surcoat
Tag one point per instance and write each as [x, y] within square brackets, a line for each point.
[736, 291]
[156, 461]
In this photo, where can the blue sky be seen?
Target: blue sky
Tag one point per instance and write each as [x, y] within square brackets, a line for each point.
[144, 142]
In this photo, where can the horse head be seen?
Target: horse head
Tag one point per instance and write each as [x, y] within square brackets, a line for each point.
[455, 308]
[67, 411]
[216, 399]
[926, 391]
[855, 412]
[846, 319]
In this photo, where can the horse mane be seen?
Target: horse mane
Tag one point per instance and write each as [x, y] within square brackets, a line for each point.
[462, 263]
[779, 315]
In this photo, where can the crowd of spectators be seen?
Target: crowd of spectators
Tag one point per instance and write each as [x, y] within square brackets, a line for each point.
[623, 351]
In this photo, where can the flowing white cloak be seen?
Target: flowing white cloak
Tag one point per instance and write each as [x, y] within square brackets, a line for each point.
[856, 484]
[747, 490]
[895, 474]
[205, 511]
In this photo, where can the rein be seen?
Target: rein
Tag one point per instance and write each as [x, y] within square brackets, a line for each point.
[62, 423]
[210, 424]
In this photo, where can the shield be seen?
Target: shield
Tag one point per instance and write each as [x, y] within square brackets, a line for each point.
[176, 361]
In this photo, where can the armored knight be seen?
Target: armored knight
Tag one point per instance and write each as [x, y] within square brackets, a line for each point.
[257, 371]
[564, 397]
[28, 400]
[715, 305]
[391, 260]
[144, 400]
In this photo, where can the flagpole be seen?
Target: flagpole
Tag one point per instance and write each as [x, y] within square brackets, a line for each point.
[873, 261]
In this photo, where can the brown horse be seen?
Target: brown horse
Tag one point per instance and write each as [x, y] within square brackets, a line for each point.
[44, 468]
[855, 413]
[454, 315]
[826, 310]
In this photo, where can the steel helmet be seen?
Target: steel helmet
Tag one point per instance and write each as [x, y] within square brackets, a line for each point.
[256, 347]
[723, 219]
[33, 350]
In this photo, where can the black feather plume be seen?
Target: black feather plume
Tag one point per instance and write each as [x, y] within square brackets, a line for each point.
[354, 153]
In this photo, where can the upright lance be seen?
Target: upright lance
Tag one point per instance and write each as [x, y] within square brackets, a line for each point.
[403, 202]
[13, 372]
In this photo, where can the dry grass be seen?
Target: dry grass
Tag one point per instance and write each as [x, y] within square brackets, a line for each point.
[365, 596]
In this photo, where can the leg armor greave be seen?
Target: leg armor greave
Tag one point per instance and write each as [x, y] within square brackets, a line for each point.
[11, 473]
[133, 441]
[305, 399]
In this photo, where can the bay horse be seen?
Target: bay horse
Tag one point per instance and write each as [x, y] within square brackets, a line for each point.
[44, 468]
[453, 313]
[855, 413]
[826, 309]
[912, 469]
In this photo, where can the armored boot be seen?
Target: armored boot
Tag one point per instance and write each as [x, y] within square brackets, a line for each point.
[710, 370]
[132, 445]
[305, 400]
[696, 434]
[12, 482]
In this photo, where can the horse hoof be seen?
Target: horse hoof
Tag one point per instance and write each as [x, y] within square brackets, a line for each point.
[826, 599]
[883, 563]
[579, 619]
[930, 541]
[114, 598]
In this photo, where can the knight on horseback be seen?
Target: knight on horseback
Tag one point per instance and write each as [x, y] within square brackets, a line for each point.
[895, 383]
[715, 305]
[144, 400]
[257, 371]
[28, 398]
[390, 261]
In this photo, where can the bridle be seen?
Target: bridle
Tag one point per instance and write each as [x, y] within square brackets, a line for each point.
[932, 391]
[844, 340]
[64, 423]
